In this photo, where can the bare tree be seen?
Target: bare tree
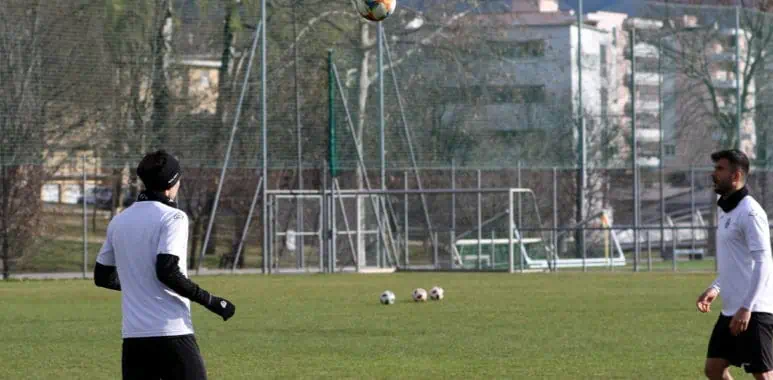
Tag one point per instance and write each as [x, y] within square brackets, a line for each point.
[713, 86]
[44, 107]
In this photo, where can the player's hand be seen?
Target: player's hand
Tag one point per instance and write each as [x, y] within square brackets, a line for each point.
[221, 307]
[705, 300]
[740, 321]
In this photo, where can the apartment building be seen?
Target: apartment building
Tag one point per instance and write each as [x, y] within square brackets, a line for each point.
[694, 105]
[529, 82]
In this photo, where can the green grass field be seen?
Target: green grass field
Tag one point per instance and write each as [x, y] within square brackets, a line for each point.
[491, 325]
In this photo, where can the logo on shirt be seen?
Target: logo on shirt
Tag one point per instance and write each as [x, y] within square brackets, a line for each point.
[223, 304]
[727, 223]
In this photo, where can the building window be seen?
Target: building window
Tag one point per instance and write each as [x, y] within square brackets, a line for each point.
[647, 65]
[648, 93]
[520, 95]
[731, 40]
[669, 150]
[518, 49]
[604, 102]
[494, 94]
[647, 120]
[603, 59]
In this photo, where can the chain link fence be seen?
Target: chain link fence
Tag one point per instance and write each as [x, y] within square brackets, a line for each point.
[473, 95]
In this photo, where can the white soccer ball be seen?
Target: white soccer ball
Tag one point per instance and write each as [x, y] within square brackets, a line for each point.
[387, 298]
[436, 293]
[375, 10]
[419, 295]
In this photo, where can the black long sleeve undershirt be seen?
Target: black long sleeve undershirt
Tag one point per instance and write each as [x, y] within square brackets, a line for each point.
[106, 276]
[168, 272]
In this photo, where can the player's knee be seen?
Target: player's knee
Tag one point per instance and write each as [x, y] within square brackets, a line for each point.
[715, 371]
[765, 375]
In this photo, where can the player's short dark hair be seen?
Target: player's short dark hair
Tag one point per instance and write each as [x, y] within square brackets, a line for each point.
[736, 158]
[159, 170]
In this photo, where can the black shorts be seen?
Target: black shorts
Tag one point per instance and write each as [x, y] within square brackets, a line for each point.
[172, 357]
[752, 349]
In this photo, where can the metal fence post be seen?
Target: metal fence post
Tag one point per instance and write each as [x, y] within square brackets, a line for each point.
[480, 221]
[492, 259]
[85, 220]
[692, 207]
[634, 153]
[453, 206]
[649, 251]
[325, 220]
[510, 227]
[333, 257]
[405, 221]
[435, 248]
[673, 249]
[520, 209]
[555, 219]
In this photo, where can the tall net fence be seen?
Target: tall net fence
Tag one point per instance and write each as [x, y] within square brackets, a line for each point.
[473, 94]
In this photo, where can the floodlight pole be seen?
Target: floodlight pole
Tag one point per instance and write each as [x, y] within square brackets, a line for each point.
[738, 103]
[381, 143]
[634, 153]
[299, 129]
[381, 138]
[582, 177]
[264, 134]
[661, 148]
[85, 220]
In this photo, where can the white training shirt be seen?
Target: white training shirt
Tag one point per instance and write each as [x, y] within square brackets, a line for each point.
[744, 259]
[134, 238]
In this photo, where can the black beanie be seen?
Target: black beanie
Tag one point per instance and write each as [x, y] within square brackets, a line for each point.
[159, 171]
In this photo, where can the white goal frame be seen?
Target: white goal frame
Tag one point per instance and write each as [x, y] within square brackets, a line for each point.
[514, 237]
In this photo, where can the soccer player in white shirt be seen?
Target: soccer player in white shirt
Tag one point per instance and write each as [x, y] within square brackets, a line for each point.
[145, 258]
[743, 333]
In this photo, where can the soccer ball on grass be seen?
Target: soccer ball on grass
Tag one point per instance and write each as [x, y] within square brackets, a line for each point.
[436, 293]
[387, 298]
[419, 295]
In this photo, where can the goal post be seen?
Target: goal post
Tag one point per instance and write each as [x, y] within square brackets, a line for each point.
[608, 252]
[514, 236]
[504, 233]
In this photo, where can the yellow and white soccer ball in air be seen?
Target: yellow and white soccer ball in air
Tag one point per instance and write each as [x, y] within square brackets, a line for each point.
[375, 10]
[387, 298]
[436, 293]
[419, 295]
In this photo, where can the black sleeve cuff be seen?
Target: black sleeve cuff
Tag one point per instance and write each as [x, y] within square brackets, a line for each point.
[106, 276]
[168, 272]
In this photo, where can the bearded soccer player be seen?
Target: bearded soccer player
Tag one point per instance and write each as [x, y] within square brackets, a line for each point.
[743, 333]
[145, 258]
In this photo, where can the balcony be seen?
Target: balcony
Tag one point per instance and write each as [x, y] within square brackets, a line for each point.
[645, 50]
[723, 83]
[724, 56]
[643, 78]
[647, 135]
[647, 107]
[648, 161]
[731, 32]
[503, 117]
